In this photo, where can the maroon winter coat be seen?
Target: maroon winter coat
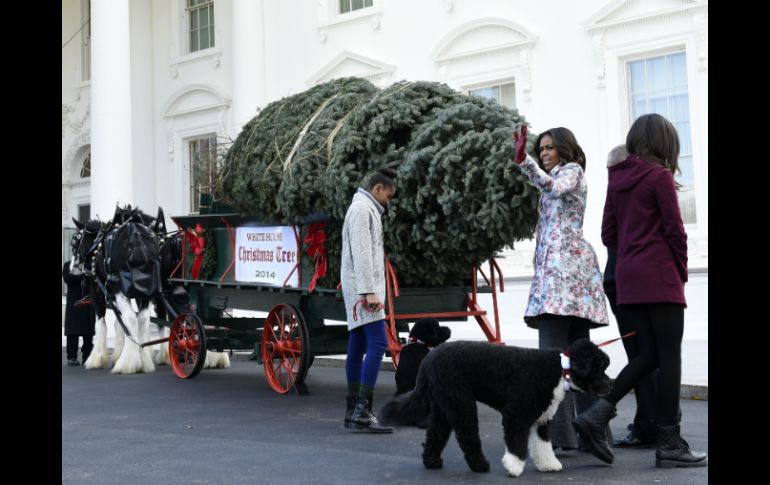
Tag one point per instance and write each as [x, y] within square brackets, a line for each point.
[642, 223]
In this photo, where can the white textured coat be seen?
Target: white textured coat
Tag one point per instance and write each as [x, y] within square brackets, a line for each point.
[363, 257]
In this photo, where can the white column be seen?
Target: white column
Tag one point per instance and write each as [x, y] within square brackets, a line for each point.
[111, 157]
[248, 61]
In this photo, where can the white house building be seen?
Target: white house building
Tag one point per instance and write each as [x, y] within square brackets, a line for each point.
[149, 87]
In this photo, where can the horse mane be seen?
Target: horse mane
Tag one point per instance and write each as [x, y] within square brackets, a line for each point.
[128, 214]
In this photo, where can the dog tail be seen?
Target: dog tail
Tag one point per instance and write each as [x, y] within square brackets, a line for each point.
[408, 409]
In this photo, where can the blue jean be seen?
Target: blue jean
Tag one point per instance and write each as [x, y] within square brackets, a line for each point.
[371, 340]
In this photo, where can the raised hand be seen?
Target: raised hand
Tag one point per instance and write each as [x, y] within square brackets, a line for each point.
[520, 142]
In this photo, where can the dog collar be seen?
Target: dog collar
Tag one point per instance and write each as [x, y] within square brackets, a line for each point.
[415, 340]
[565, 367]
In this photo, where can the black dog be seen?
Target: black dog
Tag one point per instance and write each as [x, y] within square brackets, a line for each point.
[425, 333]
[524, 385]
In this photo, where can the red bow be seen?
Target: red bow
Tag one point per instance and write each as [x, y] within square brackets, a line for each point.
[198, 243]
[315, 239]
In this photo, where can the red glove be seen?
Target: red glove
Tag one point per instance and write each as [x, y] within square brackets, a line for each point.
[520, 142]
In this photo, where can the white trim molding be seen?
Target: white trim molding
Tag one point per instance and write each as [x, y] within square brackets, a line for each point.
[329, 17]
[194, 98]
[348, 63]
[622, 14]
[496, 42]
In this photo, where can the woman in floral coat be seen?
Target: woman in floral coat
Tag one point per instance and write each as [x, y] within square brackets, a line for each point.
[567, 297]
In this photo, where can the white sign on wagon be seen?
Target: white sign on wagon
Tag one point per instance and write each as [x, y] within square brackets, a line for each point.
[266, 255]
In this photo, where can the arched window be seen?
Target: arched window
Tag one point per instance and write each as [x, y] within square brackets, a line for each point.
[85, 167]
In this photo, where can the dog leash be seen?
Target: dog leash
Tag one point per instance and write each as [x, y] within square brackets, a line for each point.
[629, 334]
[565, 360]
[363, 303]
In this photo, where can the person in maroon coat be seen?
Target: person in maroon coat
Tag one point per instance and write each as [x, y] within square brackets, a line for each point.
[643, 225]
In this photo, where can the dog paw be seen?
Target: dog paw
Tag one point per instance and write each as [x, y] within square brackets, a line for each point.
[548, 465]
[513, 465]
[432, 462]
[478, 464]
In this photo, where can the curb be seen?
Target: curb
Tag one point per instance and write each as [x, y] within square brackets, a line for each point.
[687, 391]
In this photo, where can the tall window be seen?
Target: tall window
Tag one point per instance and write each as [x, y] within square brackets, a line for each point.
[84, 212]
[659, 85]
[85, 167]
[504, 94]
[350, 5]
[201, 24]
[203, 168]
[85, 39]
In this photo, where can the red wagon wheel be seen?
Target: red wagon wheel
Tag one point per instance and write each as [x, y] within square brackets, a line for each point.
[187, 345]
[285, 348]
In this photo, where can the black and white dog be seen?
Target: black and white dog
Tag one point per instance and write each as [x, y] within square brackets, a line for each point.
[524, 385]
[425, 334]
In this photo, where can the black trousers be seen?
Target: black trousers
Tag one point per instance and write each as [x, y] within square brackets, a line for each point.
[85, 350]
[659, 328]
[646, 389]
[558, 332]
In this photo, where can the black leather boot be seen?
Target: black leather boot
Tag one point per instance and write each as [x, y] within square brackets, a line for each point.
[674, 451]
[351, 405]
[363, 418]
[592, 426]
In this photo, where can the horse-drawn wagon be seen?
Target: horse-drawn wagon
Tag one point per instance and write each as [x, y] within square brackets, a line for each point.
[295, 328]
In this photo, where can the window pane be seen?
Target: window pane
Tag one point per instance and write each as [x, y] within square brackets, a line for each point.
[685, 166]
[211, 15]
[85, 168]
[508, 95]
[680, 108]
[84, 212]
[656, 74]
[357, 4]
[194, 20]
[659, 104]
[193, 41]
[203, 168]
[685, 140]
[639, 105]
[204, 38]
[636, 75]
[491, 92]
[687, 192]
[344, 6]
[677, 70]
[204, 17]
[367, 3]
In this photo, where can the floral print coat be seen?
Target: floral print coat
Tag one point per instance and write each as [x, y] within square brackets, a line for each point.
[567, 278]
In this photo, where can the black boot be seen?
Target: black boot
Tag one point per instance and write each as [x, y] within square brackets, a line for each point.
[363, 418]
[592, 426]
[351, 405]
[673, 450]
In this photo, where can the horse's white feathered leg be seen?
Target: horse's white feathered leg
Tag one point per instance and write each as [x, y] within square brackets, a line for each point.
[120, 340]
[99, 359]
[130, 360]
[143, 322]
